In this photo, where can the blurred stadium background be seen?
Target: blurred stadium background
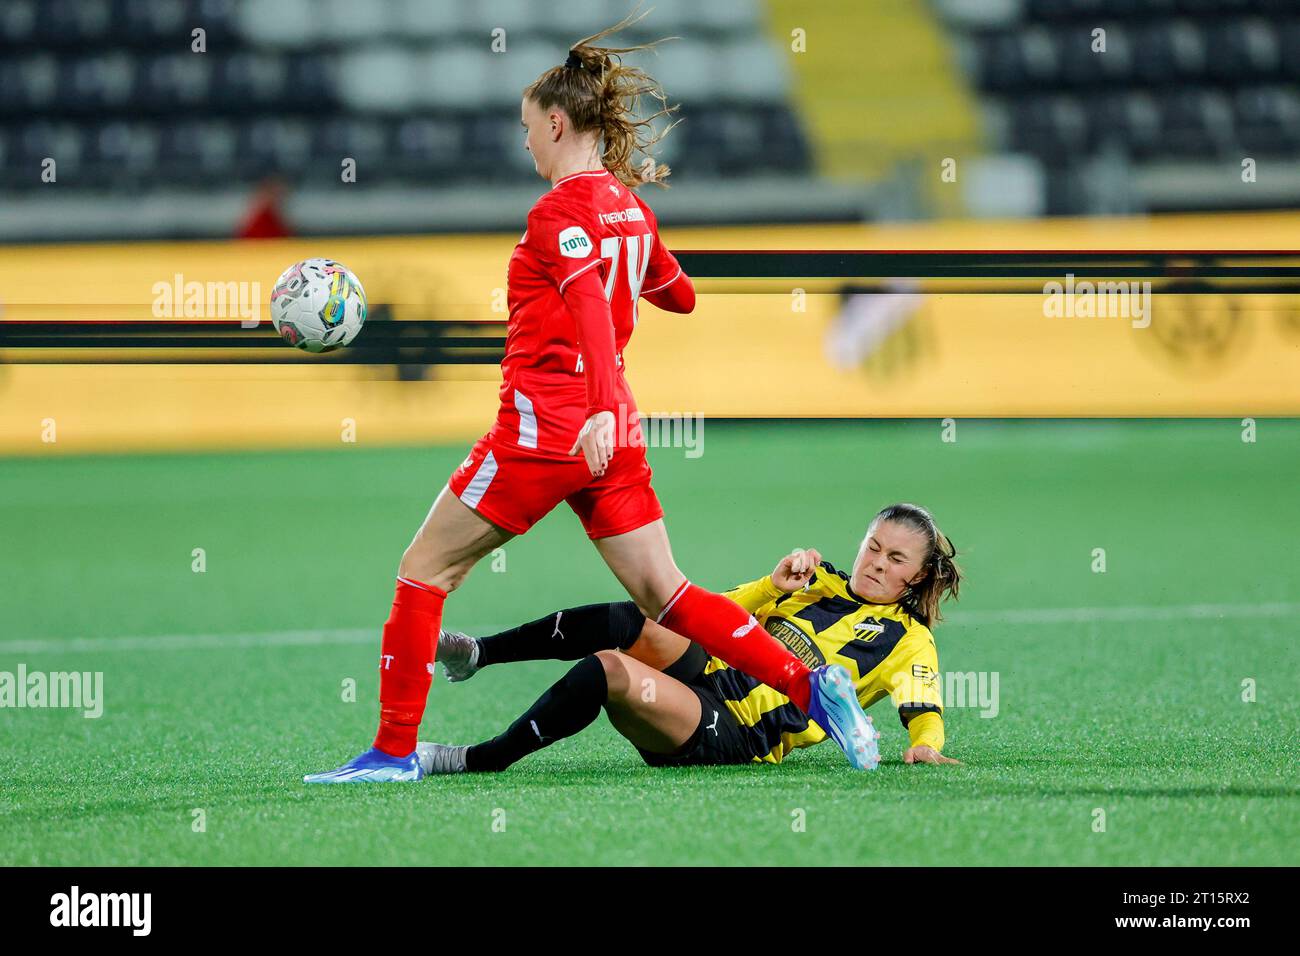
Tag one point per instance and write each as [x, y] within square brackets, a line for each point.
[154, 141]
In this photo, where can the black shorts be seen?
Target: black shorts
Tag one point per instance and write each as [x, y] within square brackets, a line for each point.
[719, 738]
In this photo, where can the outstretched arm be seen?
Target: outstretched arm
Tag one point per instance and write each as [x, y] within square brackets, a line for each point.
[916, 693]
[926, 734]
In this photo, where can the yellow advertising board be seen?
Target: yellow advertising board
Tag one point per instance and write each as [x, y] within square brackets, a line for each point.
[768, 348]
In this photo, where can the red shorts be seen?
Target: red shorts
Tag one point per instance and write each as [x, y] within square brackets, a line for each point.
[515, 488]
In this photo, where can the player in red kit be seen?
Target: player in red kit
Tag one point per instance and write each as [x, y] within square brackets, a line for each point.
[566, 430]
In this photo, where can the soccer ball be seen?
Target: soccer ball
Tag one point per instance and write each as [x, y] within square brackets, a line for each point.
[317, 305]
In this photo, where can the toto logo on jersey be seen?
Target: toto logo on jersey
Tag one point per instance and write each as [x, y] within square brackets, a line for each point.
[574, 243]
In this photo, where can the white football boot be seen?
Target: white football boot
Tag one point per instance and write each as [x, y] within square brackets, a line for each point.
[440, 758]
[459, 655]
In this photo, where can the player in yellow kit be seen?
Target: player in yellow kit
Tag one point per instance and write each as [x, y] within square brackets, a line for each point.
[677, 705]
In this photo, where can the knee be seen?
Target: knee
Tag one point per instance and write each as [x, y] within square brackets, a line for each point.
[422, 568]
[656, 600]
[617, 678]
[651, 597]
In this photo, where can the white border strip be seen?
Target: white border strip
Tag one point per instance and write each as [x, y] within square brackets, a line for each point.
[587, 267]
[675, 277]
[479, 484]
[370, 635]
[527, 420]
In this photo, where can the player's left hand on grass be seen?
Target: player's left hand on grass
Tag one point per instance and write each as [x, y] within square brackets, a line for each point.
[596, 440]
[925, 754]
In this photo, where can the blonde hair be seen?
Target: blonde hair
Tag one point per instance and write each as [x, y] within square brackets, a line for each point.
[600, 93]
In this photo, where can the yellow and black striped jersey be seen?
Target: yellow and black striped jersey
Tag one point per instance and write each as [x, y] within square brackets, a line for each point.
[885, 649]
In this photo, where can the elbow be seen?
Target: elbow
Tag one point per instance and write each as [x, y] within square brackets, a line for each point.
[678, 297]
[688, 295]
[688, 299]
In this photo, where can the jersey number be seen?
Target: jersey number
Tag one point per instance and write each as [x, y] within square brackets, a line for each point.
[638, 262]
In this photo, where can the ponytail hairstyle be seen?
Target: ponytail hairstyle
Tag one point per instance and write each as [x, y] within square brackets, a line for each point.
[942, 576]
[600, 93]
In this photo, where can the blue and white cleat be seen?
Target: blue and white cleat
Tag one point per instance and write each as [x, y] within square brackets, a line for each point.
[834, 707]
[373, 766]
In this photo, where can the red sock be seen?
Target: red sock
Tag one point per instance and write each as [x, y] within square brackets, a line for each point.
[726, 630]
[406, 664]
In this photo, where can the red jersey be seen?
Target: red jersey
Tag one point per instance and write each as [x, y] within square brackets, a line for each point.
[553, 377]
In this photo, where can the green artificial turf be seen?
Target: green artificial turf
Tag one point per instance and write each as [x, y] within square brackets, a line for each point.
[1131, 705]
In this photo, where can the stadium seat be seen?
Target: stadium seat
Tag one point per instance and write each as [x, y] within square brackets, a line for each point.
[124, 147]
[177, 82]
[379, 79]
[18, 23]
[751, 70]
[1289, 49]
[61, 141]
[743, 147]
[727, 18]
[365, 139]
[1192, 80]
[77, 22]
[489, 143]
[454, 78]
[193, 150]
[1195, 123]
[981, 14]
[688, 70]
[286, 24]
[1001, 62]
[1046, 56]
[357, 22]
[314, 79]
[250, 80]
[1244, 50]
[517, 17]
[291, 86]
[566, 22]
[787, 143]
[428, 20]
[426, 148]
[55, 23]
[1268, 119]
[522, 63]
[272, 144]
[217, 17]
[704, 144]
[39, 79]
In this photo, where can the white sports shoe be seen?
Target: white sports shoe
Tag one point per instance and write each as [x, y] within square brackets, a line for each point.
[459, 655]
[440, 758]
